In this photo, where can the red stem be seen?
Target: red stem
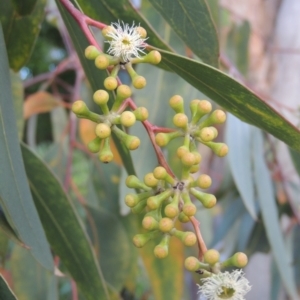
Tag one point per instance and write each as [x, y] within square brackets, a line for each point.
[201, 244]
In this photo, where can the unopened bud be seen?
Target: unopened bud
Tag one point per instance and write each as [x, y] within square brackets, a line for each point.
[127, 118]
[176, 102]
[211, 256]
[239, 260]
[134, 183]
[139, 82]
[166, 224]
[155, 201]
[94, 145]
[150, 180]
[207, 200]
[140, 240]
[102, 61]
[110, 83]
[180, 120]
[141, 31]
[141, 114]
[91, 52]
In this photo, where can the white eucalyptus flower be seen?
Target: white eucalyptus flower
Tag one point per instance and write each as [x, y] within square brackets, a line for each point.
[125, 42]
[232, 286]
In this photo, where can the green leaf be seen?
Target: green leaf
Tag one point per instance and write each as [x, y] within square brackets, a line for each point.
[245, 229]
[269, 213]
[191, 20]
[234, 97]
[104, 186]
[275, 282]
[15, 197]
[5, 291]
[234, 210]
[296, 249]
[237, 45]
[18, 99]
[8, 230]
[20, 32]
[24, 7]
[112, 245]
[30, 280]
[238, 139]
[94, 75]
[296, 159]
[63, 227]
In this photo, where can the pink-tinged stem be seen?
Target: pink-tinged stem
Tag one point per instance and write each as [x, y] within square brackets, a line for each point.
[201, 244]
[83, 21]
[150, 130]
[74, 290]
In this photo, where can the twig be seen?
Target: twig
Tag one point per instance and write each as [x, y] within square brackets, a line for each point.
[201, 244]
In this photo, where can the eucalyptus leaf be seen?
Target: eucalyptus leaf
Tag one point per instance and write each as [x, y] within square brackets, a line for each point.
[266, 197]
[296, 159]
[31, 281]
[64, 230]
[21, 32]
[191, 20]
[238, 139]
[5, 292]
[15, 196]
[234, 210]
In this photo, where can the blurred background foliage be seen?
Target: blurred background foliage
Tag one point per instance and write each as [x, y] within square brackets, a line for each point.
[80, 200]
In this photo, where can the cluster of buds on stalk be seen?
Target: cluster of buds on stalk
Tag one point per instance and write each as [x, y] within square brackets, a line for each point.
[165, 199]
[162, 198]
[110, 119]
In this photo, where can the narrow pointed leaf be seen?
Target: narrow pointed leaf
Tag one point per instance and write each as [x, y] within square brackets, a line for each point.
[234, 97]
[5, 291]
[296, 160]
[63, 227]
[30, 280]
[269, 213]
[192, 21]
[20, 32]
[15, 197]
[238, 139]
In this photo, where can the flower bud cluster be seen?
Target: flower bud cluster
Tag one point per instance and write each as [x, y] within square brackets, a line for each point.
[198, 129]
[108, 121]
[163, 200]
[126, 46]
